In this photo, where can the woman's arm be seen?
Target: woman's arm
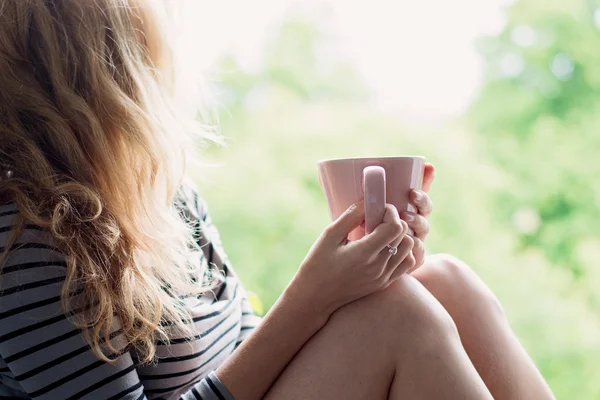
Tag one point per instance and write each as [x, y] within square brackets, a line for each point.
[251, 370]
[334, 273]
[290, 323]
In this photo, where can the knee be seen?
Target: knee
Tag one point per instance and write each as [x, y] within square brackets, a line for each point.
[457, 286]
[404, 313]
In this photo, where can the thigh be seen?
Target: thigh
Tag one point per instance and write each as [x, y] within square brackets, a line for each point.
[492, 346]
[396, 343]
[347, 359]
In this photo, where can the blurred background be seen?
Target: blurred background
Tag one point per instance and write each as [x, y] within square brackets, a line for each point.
[502, 96]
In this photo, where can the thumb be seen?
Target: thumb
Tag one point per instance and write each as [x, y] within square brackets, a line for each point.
[345, 223]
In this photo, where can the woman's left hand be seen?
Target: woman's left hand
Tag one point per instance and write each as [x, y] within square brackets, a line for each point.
[418, 222]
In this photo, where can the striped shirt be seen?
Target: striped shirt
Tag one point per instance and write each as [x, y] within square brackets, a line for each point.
[44, 356]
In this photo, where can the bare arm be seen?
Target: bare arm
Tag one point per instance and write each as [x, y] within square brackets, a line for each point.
[334, 273]
[251, 370]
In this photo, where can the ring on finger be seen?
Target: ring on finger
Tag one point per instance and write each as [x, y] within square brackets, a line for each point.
[393, 250]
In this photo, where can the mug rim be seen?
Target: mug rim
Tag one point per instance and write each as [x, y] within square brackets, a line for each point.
[371, 158]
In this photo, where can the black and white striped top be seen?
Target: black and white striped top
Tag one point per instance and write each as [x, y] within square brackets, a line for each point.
[43, 355]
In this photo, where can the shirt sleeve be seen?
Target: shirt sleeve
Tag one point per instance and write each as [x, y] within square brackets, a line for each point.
[210, 388]
[44, 354]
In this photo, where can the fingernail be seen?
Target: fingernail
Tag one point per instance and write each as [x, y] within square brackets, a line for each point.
[418, 196]
[409, 217]
[352, 207]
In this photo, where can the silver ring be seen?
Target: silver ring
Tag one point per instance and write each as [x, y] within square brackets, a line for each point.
[393, 250]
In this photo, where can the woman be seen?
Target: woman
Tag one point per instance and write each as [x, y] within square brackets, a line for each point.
[114, 284]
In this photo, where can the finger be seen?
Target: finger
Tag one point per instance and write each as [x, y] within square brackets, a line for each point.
[428, 176]
[384, 255]
[418, 252]
[385, 233]
[339, 229]
[421, 200]
[405, 266]
[417, 223]
[393, 261]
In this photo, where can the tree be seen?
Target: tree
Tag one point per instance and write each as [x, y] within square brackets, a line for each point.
[539, 115]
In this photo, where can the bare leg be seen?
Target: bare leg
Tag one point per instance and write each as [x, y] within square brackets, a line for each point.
[398, 344]
[503, 364]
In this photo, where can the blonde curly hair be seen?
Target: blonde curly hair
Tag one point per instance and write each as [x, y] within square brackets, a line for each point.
[94, 151]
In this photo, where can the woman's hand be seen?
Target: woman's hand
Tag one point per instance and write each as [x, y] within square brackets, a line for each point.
[417, 222]
[336, 271]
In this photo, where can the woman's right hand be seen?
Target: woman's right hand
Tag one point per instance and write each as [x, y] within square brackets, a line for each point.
[337, 271]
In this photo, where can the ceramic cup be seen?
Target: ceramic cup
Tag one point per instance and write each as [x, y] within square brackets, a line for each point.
[377, 180]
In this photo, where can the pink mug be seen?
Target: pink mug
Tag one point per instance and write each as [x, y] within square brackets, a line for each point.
[377, 180]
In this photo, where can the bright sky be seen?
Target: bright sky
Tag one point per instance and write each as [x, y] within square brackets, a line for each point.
[418, 56]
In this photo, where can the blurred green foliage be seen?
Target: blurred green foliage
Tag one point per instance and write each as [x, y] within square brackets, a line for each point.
[515, 194]
[538, 113]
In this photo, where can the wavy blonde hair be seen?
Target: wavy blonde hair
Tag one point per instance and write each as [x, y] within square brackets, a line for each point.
[96, 152]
